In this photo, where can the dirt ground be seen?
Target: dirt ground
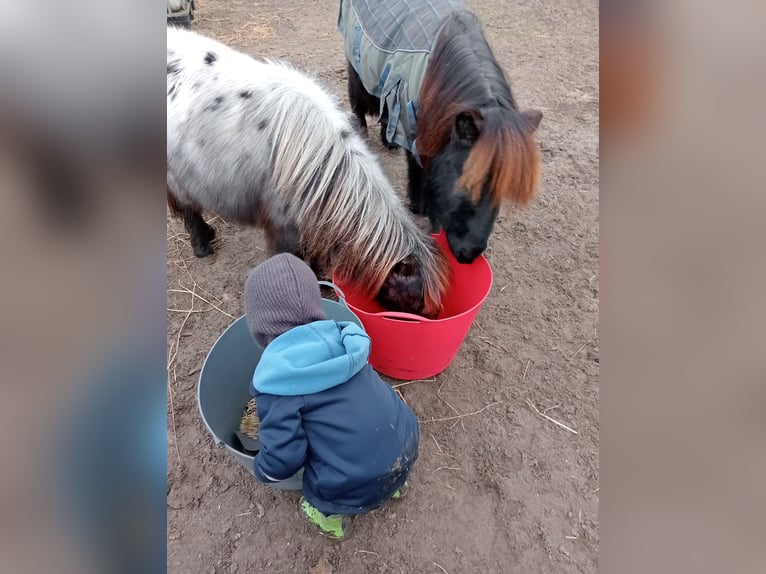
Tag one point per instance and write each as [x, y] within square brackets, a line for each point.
[502, 490]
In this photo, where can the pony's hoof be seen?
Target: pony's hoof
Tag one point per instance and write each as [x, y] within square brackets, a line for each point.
[387, 144]
[209, 260]
[203, 251]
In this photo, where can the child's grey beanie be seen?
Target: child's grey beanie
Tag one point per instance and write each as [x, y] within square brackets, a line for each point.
[280, 293]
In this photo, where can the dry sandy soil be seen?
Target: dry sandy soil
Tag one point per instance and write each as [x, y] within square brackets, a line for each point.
[504, 490]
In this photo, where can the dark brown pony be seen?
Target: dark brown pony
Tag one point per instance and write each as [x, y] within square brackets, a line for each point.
[474, 147]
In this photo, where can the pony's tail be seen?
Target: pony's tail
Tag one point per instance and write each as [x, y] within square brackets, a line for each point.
[505, 151]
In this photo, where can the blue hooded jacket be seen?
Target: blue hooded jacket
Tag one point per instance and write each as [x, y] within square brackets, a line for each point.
[324, 409]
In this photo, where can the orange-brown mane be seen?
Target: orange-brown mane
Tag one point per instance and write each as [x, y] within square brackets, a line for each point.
[463, 77]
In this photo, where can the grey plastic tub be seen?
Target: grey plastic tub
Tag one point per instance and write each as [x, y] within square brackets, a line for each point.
[223, 390]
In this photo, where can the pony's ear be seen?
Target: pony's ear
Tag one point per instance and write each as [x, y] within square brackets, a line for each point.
[465, 129]
[533, 118]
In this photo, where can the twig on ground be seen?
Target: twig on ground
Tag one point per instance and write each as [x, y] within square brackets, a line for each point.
[366, 552]
[441, 452]
[219, 218]
[170, 397]
[171, 360]
[458, 422]
[446, 468]
[173, 419]
[244, 513]
[411, 382]
[201, 298]
[187, 310]
[554, 421]
[440, 568]
[577, 352]
[488, 342]
[524, 376]
[180, 236]
[172, 354]
[439, 394]
[461, 416]
[194, 281]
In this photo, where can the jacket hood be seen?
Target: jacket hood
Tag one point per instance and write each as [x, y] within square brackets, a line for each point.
[312, 358]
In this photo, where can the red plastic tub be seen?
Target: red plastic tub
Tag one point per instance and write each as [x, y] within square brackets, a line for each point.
[409, 347]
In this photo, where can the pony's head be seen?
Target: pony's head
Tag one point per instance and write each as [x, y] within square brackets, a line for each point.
[477, 148]
[416, 284]
[467, 179]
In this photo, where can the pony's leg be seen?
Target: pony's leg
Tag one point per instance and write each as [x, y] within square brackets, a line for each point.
[284, 239]
[201, 233]
[357, 97]
[280, 230]
[415, 186]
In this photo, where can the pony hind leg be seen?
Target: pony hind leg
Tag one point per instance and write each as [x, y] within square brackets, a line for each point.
[201, 234]
[363, 103]
[358, 98]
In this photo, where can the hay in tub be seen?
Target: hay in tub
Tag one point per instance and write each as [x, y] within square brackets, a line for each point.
[250, 423]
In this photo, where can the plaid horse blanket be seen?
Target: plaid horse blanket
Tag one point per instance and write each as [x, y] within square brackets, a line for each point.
[388, 42]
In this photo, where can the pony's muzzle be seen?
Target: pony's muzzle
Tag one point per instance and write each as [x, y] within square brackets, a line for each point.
[468, 253]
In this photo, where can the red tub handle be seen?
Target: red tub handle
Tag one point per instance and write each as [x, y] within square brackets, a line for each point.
[395, 315]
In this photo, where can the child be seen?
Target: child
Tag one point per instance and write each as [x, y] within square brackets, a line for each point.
[321, 406]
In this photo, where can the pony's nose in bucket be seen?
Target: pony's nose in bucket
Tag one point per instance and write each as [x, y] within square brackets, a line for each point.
[224, 385]
[408, 347]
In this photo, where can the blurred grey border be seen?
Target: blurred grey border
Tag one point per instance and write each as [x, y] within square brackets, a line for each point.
[683, 287]
[82, 335]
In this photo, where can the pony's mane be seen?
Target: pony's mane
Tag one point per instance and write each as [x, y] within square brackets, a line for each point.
[463, 77]
[349, 217]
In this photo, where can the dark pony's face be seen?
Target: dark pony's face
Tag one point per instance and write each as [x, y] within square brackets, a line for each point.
[403, 289]
[467, 224]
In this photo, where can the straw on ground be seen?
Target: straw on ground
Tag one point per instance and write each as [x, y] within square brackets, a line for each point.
[488, 342]
[554, 421]
[432, 420]
[411, 382]
[172, 354]
[447, 468]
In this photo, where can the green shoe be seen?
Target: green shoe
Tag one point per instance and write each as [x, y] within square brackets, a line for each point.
[333, 526]
[399, 494]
